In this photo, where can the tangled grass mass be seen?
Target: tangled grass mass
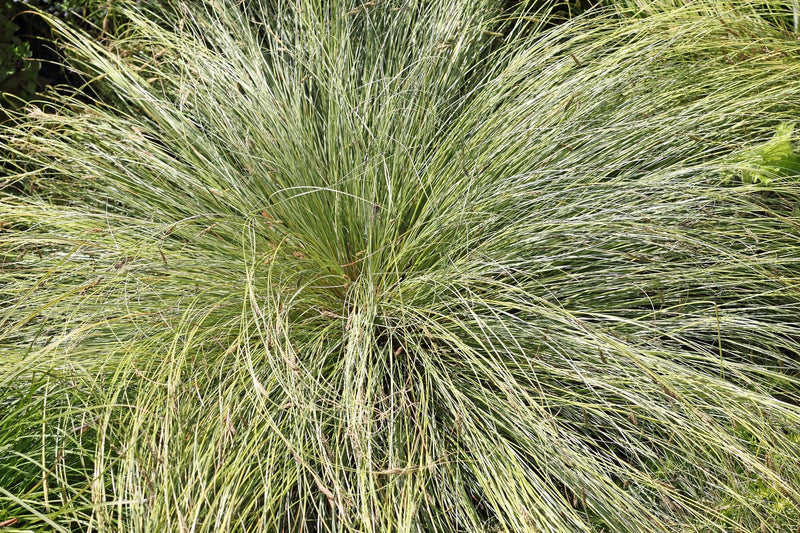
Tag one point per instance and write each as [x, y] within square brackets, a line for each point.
[457, 266]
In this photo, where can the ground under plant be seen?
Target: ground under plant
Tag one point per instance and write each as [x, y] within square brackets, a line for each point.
[406, 266]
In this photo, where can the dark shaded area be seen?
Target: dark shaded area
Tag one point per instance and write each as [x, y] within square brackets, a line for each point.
[18, 71]
[29, 62]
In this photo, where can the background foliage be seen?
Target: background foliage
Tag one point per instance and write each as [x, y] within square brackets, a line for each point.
[17, 73]
[28, 60]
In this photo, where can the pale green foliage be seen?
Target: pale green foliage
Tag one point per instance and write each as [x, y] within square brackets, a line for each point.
[775, 157]
[404, 267]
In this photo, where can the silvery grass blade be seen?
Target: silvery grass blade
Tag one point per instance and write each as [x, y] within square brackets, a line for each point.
[783, 13]
[385, 266]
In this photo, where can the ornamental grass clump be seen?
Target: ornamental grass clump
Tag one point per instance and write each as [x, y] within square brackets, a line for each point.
[405, 266]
